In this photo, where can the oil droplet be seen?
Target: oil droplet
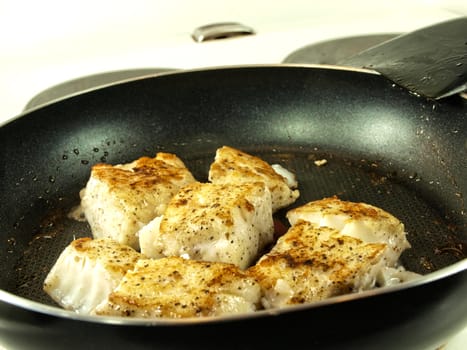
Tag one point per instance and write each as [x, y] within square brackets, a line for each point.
[76, 151]
[51, 179]
[84, 161]
[64, 157]
[95, 149]
[414, 176]
[11, 242]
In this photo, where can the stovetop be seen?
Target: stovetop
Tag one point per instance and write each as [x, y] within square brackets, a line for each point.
[54, 43]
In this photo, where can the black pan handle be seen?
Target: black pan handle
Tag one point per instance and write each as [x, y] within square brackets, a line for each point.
[430, 62]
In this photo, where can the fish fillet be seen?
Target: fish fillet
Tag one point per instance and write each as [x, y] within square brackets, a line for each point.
[118, 200]
[229, 223]
[360, 220]
[310, 263]
[87, 271]
[177, 288]
[234, 166]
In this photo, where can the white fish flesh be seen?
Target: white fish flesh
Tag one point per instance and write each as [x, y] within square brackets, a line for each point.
[177, 288]
[229, 223]
[87, 271]
[118, 200]
[360, 220]
[310, 263]
[234, 166]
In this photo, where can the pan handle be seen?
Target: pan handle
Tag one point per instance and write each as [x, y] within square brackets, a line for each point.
[430, 61]
[221, 30]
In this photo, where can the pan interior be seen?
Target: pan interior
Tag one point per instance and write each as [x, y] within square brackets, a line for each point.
[434, 243]
[382, 146]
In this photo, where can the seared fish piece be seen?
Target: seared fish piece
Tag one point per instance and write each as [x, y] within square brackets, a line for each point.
[118, 200]
[234, 166]
[310, 263]
[229, 223]
[360, 220]
[177, 288]
[87, 271]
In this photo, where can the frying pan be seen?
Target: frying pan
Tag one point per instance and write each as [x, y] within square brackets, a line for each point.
[383, 146]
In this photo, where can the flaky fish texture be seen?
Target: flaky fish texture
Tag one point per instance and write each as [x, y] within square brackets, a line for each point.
[87, 271]
[229, 223]
[360, 220]
[118, 200]
[310, 263]
[234, 166]
[173, 287]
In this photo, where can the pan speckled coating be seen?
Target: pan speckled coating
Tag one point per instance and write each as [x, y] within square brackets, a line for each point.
[383, 146]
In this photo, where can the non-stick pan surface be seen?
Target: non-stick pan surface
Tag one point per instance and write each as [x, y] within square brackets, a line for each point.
[383, 146]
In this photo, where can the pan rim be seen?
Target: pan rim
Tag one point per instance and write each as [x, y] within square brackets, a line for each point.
[56, 311]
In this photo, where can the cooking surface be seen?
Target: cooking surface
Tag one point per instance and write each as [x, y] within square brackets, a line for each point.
[51, 43]
[359, 180]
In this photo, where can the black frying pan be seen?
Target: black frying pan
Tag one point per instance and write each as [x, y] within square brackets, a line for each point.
[384, 146]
